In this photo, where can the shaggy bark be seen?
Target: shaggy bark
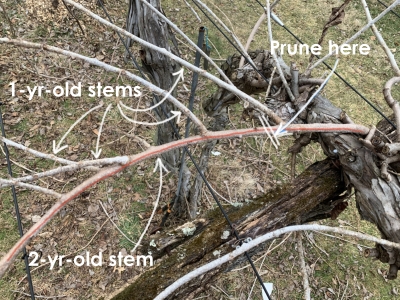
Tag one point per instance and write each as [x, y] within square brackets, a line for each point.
[144, 23]
[370, 167]
[311, 196]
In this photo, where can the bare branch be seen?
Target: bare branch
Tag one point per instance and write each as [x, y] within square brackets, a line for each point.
[251, 37]
[295, 80]
[41, 154]
[306, 285]
[115, 225]
[191, 8]
[381, 41]
[8, 182]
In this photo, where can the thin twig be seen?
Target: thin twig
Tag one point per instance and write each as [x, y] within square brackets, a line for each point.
[251, 37]
[9, 182]
[345, 289]
[270, 83]
[152, 214]
[295, 80]
[3, 10]
[41, 154]
[306, 284]
[193, 11]
[38, 296]
[73, 15]
[357, 34]
[222, 12]
[342, 239]
[115, 225]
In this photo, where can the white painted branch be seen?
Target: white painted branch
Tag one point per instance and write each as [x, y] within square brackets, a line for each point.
[271, 235]
[361, 31]
[182, 62]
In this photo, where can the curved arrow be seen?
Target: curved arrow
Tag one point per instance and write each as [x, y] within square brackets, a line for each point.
[175, 114]
[97, 153]
[160, 165]
[180, 76]
[58, 148]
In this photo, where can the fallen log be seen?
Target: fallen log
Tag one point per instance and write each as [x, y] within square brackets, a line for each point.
[311, 196]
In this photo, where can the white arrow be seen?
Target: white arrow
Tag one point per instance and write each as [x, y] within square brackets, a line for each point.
[160, 165]
[173, 112]
[58, 148]
[281, 129]
[180, 76]
[97, 153]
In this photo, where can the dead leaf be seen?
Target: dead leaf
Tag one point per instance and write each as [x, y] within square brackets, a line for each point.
[92, 208]
[119, 269]
[34, 127]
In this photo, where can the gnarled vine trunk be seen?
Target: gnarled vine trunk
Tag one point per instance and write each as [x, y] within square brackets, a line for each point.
[144, 23]
[353, 162]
